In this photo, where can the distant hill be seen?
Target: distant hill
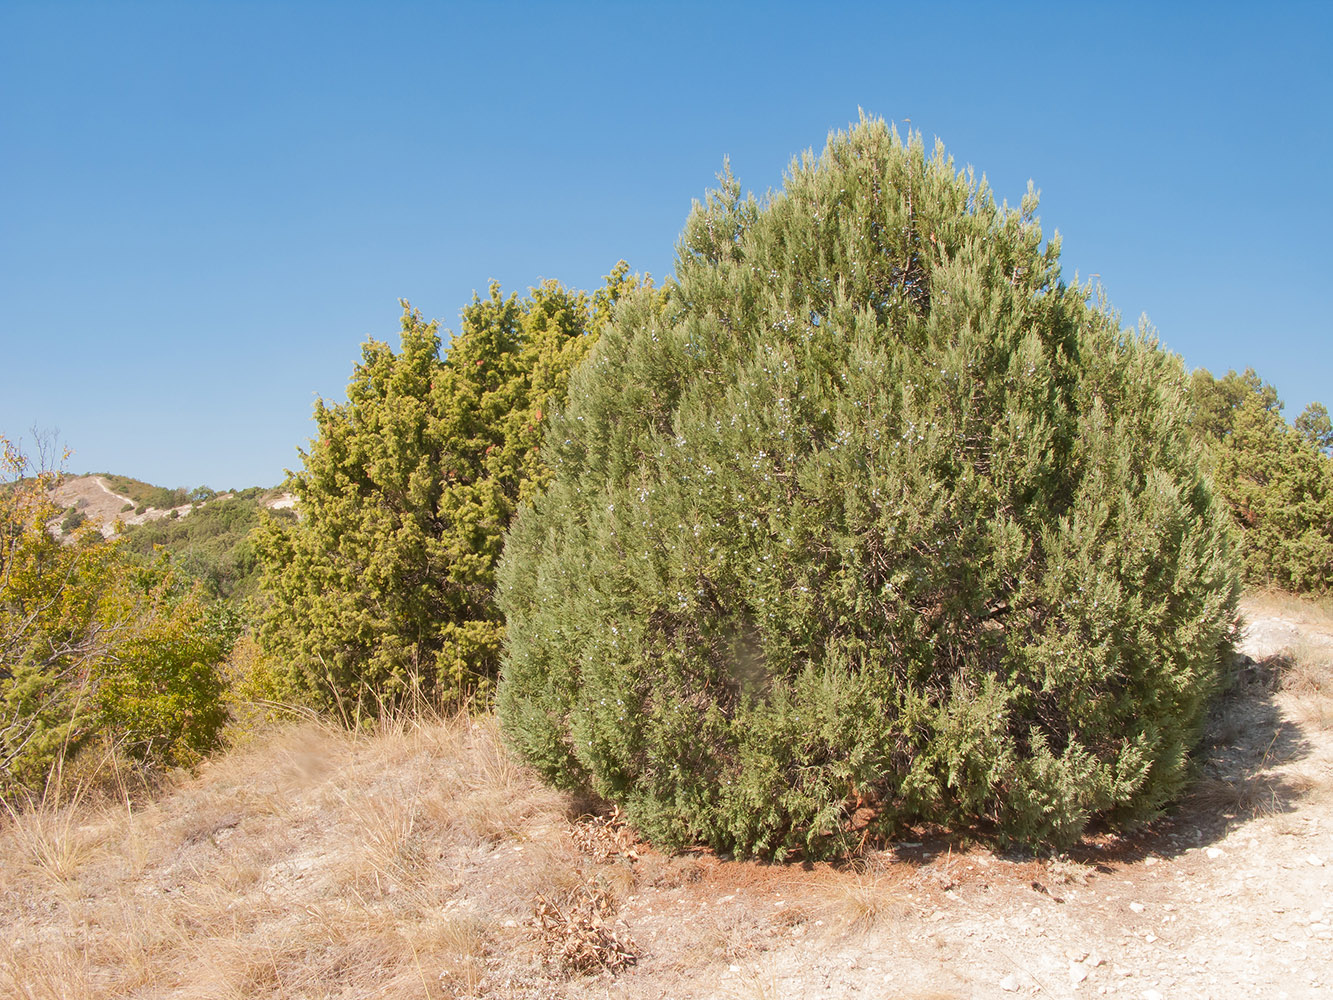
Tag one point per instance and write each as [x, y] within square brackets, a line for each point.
[205, 533]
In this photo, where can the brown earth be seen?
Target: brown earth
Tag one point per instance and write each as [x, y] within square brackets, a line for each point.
[420, 861]
[105, 508]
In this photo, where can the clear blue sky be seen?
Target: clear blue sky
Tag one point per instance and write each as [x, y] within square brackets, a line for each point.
[205, 208]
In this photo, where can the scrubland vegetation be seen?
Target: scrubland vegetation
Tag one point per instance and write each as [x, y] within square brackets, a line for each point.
[864, 521]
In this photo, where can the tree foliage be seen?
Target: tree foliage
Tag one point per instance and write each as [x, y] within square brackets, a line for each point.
[384, 588]
[873, 521]
[1313, 424]
[1276, 479]
[92, 645]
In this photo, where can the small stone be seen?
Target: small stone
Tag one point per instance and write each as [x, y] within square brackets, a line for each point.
[1077, 973]
[1009, 983]
[1150, 937]
[1149, 862]
[1136, 907]
[1315, 860]
[1213, 853]
[1151, 995]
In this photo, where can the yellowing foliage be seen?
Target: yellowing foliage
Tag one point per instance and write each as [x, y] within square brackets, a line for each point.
[91, 646]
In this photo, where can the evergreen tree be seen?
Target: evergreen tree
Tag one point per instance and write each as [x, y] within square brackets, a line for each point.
[1215, 402]
[1276, 479]
[384, 588]
[873, 521]
[1314, 425]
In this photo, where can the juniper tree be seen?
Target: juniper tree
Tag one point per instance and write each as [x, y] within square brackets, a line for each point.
[1313, 424]
[1275, 478]
[874, 521]
[384, 588]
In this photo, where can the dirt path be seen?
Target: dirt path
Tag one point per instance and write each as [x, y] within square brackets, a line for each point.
[112, 493]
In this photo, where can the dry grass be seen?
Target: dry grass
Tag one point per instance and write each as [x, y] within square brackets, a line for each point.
[755, 982]
[1280, 604]
[309, 862]
[868, 895]
[1306, 673]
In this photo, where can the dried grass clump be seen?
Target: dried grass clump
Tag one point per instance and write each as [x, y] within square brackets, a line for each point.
[866, 895]
[582, 935]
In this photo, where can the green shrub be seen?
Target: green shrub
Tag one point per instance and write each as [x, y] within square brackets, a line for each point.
[159, 688]
[94, 646]
[1276, 479]
[384, 589]
[875, 522]
[212, 545]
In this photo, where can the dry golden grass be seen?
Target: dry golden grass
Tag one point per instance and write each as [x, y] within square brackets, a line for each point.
[861, 901]
[1306, 674]
[1305, 610]
[308, 862]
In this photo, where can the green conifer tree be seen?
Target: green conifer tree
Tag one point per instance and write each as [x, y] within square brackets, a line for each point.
[1313, 424]
[874, 521]
[384, 588]
[1276, 479]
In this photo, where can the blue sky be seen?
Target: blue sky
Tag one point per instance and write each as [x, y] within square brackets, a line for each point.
[205, 208]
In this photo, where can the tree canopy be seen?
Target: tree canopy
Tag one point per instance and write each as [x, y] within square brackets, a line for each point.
[873, 521]
[383, 590]
[1276, 479]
